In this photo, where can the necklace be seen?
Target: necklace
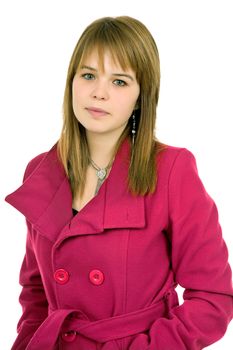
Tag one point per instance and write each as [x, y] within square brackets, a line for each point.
[101, 173]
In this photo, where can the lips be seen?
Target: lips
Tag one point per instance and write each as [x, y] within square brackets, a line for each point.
[96, 112]
[94, 109]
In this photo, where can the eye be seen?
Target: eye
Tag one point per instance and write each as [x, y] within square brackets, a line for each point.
[88, 76]
[119, 82]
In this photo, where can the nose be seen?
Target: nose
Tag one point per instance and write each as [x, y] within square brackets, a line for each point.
[100, 91]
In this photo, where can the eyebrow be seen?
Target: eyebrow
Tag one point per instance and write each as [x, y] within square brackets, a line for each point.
[115, 74]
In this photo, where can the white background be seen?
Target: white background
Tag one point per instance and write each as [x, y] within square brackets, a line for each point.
[195, 108]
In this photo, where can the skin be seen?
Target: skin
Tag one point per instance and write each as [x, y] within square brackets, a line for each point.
[103, 102]
[113, 90]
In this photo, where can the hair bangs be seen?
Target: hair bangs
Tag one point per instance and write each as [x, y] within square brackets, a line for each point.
[112, 41]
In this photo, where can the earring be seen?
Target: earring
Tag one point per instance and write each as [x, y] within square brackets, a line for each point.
[133, 131]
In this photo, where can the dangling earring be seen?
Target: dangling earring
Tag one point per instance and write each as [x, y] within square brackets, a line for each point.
[133, 131]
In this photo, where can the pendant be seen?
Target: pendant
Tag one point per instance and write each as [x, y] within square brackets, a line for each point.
[101, 174]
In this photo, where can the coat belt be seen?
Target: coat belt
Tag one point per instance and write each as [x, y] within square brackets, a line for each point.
[104, 330]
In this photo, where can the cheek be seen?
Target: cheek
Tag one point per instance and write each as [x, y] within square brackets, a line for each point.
[127, 103]
[129, 100]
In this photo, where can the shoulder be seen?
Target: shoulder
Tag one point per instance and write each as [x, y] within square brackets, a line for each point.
[176, 165]
[170, 156]
[32, 164]
[179, 167]
[178, 173]
[35, 162]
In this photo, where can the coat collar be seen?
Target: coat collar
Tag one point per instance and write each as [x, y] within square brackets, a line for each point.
[46, 201]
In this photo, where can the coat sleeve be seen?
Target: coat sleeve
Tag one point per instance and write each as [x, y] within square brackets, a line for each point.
[199, 260]
[32, 297]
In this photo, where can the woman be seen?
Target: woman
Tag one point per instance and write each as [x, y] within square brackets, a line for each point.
[117, 219]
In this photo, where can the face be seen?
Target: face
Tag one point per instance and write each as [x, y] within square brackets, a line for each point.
[103, 101]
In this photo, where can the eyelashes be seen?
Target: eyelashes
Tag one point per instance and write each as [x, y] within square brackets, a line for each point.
[90, 76]
[120, 82]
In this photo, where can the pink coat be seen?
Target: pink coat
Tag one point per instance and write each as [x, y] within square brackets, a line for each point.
[105, 278]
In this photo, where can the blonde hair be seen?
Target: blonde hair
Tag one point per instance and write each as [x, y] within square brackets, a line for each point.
[132, 46]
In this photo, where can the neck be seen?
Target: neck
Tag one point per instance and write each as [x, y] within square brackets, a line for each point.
[101, 149]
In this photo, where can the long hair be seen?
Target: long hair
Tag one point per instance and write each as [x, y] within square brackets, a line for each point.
[132, 46]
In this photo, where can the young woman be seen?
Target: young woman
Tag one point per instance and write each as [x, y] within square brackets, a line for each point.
[117, 219]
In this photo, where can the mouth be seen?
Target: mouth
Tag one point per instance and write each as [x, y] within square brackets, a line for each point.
[96, 112]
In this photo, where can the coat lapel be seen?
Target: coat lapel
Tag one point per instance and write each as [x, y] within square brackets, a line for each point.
[114, 206]
[46, 201]
[44, 198]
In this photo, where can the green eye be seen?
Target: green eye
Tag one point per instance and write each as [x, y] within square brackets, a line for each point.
[88, 76]
[119, 82]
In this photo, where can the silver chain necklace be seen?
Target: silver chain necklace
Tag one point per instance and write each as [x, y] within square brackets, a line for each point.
[101, 173]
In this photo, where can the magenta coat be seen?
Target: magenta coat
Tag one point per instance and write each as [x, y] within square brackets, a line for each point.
[105, 278]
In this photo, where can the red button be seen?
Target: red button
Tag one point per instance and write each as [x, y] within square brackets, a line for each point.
[96, 277]
[61, 276]
[69, 336]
